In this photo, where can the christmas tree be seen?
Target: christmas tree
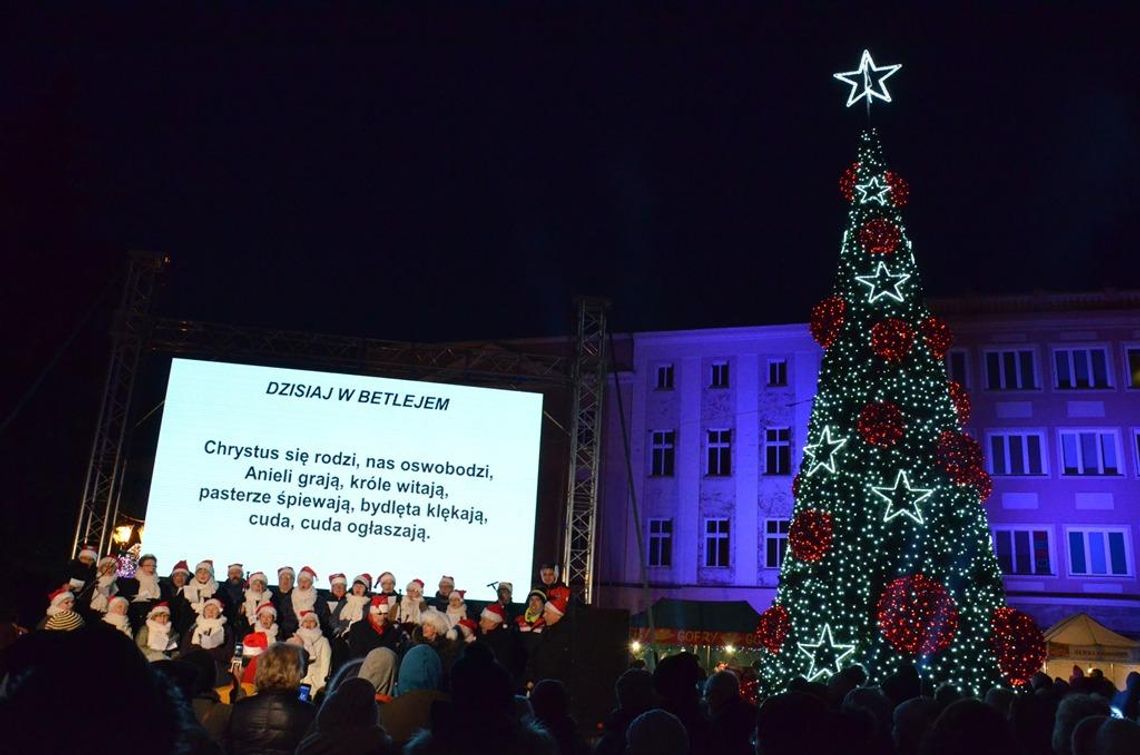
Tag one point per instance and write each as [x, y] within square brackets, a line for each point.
[889, 559]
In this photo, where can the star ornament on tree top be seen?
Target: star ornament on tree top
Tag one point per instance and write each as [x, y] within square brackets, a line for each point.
[868, 81]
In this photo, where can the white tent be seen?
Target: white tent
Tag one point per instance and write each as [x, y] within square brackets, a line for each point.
[1083, 641]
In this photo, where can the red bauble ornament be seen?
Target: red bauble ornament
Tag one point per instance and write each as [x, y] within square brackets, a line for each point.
[810, 535]
[900, 189]
[961, 401]
[827, 320]
[892, 339]
[937, 335]
[1018, 643]
[848, 180]
[917, 615]
[984, 484]
[773, 627]
[880, 236]
[959, 456]
[881, 424]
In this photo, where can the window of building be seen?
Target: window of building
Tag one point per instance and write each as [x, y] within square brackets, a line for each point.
[663, 452]
[1017, 453]
[660, 542]
[1023, 551]
[778, 451]
[720, 453]
[957, 367]
[1136, 445]
[716, 542]
[665, 377]
[1011, 370]
[1081, 368]
[775, 542]
[719, 375]
[777, 372]
[1133, 354]
[1099, 552]
[1089, 452]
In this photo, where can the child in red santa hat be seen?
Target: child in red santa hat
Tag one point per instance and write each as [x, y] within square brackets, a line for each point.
[61, 615]
[456, 609]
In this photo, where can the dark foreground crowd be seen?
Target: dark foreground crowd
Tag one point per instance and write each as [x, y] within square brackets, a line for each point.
[85, 685]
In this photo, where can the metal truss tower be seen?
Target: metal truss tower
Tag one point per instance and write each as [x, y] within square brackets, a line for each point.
[589, 383]
[100, 504]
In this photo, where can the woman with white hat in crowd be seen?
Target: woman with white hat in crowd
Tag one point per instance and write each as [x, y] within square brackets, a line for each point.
[158, 640]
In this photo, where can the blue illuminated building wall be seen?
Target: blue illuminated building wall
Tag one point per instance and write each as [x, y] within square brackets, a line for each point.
[717, 420]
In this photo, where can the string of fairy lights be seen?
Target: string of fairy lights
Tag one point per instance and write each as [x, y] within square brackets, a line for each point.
[889, 559]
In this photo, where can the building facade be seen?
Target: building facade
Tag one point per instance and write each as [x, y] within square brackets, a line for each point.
[716, 421]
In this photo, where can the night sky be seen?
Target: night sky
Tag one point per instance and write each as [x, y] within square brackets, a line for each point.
[461, 173]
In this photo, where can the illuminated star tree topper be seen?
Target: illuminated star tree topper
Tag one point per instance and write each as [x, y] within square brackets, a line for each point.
[868, 81]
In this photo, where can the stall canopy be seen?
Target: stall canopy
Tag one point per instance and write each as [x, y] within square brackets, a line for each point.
[698, 622]
[1080, 637]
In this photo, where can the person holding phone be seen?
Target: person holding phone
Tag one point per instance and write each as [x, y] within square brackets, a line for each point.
[275, 719]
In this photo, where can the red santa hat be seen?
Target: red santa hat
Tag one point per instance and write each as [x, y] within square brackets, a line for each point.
[338, 579]
[493, 612]
[365, 579]
[449, 580]
[88, 550]
[558, 601]
[468, 624]
[267, 606]
[457, 594]
[117, 599]
[416, 583]
[207, 564]
[181, 566]
[254, 644]
[56, 598]
[306, 614]
[258, 576]
[162, 607]
[308, 570]
[212, 602]
[284, 569]
[379, 604]
[506, 586]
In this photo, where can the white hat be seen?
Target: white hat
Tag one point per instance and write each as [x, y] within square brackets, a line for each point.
[258, 576]
[88, 550]
[207, 564]
[284, 569]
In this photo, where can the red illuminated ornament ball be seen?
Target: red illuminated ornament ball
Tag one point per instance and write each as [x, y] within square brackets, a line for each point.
[881, 424]
[1018, 643]
[937, 335]
[917, 615]
[900, 189]
[892, 339]
[880, 236]
[848, 180]
[827, 319]
[959, 456]
[773, 627]
[983, 483]
[810, 535]
[961, 399]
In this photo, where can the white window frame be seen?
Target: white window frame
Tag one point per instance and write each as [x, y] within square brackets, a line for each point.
[1136, 449]
[1125, 348]
[1106, 529]
[966, 382]
[710, 444]
[781, 550]
[1113, 432]
[727, 374]
[778, 444]
[1001, 366]
[1030, 528]
[664, 446]
[661, 536]
[1089, 347]
[715, 538]
[662, 369]
[1041, 434]
[777, 364]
